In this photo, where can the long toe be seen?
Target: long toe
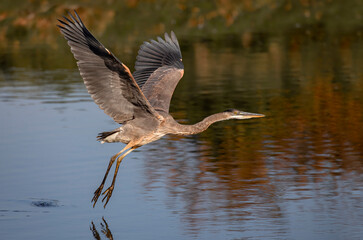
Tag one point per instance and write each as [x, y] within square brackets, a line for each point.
[108, 194]
[97, 195]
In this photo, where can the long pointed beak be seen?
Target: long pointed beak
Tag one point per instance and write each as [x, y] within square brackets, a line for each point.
[255, 115]
[246, 115]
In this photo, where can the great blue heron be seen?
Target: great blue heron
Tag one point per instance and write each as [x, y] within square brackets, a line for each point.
[139, 101]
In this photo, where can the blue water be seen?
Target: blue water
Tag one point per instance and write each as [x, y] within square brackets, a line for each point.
[272, 178]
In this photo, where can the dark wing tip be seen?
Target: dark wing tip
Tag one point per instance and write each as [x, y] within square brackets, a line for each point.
[161, 50]
[71, 20]
[105, 77]
[155, 54]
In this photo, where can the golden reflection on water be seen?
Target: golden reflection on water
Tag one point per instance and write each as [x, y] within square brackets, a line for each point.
[311, 141]
[308, 83]
[304, 76]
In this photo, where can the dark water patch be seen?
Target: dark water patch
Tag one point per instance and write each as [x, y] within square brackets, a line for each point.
[44, 203]
[15, 211]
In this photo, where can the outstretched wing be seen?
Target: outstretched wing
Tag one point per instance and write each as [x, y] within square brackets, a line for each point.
[159, 68]
[108, 80]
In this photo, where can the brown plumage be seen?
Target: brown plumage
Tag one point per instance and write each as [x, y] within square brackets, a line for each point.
[139, 101]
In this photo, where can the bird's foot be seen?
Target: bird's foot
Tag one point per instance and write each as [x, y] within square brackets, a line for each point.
[108, 194]
[97, 194]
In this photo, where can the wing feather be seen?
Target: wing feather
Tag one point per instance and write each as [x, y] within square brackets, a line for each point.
[109, 81]
[159, 68]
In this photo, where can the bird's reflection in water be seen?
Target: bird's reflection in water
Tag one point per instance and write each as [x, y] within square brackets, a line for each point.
[104, 229]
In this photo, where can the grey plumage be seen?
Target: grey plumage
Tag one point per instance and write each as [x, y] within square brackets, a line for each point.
[107, 79]
[159, 68]
[139, 101]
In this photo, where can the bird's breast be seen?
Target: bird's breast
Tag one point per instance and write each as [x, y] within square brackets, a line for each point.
[151, 137]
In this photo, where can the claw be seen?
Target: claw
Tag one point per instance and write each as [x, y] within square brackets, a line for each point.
[108, 194]
[97, 195]
[108, 191]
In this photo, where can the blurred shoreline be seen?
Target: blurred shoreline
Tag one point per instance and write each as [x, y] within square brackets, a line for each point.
[33, 22]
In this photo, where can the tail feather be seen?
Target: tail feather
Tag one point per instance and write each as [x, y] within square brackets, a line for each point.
[103, 135]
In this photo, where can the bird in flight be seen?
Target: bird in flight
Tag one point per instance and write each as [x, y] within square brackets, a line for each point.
[139, 101]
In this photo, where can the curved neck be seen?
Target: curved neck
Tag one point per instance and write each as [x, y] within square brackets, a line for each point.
[200, 126]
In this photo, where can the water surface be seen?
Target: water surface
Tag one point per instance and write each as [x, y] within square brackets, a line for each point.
[296, 174]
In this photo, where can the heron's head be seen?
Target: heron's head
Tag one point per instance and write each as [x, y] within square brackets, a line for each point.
[237, 114]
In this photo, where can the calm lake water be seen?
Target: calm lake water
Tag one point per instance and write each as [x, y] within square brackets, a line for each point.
[296, 174]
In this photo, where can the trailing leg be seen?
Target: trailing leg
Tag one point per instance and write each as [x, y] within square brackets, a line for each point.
[108, 191]
[98, 192]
